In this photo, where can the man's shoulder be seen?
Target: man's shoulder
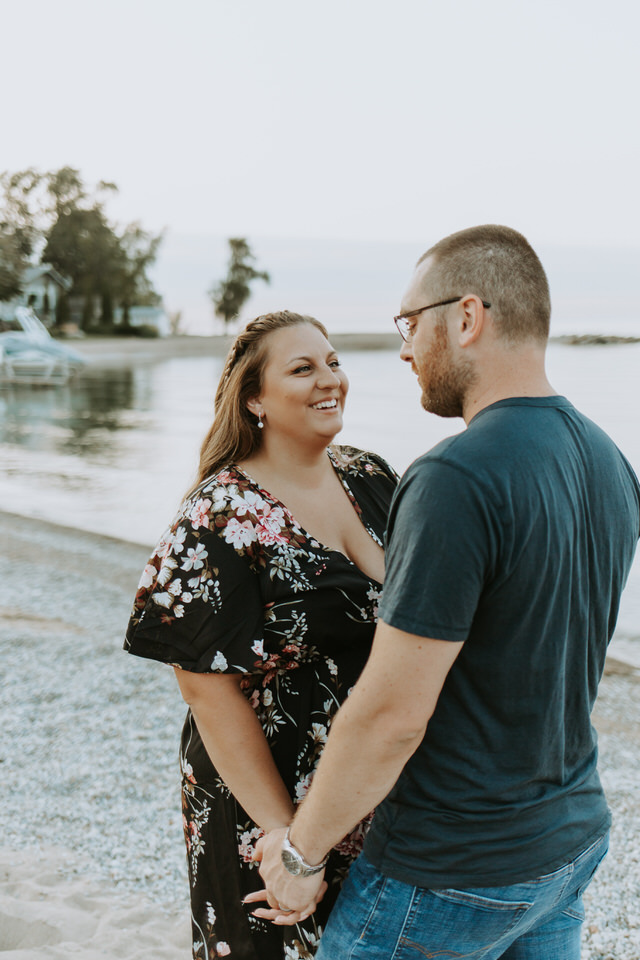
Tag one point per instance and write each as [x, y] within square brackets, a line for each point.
[449, 470]
[516, 443]
[501, 438]
[463, 452]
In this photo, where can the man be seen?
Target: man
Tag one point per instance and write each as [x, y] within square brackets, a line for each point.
[469, 729]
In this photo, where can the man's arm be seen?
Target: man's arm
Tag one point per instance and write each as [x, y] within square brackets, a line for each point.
[376, 731]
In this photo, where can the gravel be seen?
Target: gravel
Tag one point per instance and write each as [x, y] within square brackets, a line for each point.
[89, 751]
[88, 757]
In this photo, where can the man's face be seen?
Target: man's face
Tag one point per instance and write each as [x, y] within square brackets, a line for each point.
[443, 378]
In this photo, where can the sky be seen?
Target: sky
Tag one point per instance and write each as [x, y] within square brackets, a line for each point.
[350, 120]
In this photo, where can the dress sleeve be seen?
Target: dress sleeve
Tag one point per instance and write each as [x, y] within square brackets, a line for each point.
[372, 482]
[198, 604]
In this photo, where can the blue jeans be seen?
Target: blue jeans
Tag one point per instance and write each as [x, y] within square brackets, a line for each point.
[378, 918]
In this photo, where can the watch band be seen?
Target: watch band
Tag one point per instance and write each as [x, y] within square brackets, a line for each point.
[295, 863]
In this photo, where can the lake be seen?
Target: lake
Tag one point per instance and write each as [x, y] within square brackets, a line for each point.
[113, 451]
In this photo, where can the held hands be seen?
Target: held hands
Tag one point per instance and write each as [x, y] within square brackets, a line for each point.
[291, 899]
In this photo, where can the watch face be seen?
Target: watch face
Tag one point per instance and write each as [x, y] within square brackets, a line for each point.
[291, 862]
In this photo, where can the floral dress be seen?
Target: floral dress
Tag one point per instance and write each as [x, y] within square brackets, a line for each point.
[237, 585]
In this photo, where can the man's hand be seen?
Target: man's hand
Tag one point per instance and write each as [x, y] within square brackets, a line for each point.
[290, 898]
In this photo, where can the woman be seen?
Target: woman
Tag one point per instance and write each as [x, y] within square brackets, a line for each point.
[262, 595]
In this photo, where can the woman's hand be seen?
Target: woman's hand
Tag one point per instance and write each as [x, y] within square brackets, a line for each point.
[278, 914]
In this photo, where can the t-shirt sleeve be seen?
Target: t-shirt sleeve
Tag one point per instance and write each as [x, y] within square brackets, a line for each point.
[441, 546]
[198, 604]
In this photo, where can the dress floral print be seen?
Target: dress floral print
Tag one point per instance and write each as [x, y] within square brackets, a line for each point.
[237, 585]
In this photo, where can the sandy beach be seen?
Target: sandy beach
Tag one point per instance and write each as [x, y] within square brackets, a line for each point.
[91, 861]
[116, 351]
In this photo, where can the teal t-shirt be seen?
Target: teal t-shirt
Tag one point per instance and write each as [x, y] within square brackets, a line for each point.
[516, 537]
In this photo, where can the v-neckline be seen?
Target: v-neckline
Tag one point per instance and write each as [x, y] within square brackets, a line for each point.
[306, 533]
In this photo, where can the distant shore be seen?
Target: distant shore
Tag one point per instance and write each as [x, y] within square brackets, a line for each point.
[114, 351]
[117, 351]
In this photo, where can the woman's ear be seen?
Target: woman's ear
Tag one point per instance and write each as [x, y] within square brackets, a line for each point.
[254, 406]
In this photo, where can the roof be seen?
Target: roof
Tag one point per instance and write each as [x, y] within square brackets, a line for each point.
[31, 274]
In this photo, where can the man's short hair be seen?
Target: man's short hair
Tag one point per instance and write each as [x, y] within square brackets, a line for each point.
[496, 264]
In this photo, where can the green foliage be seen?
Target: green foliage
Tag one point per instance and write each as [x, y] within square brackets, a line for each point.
[55, 218]
[231, 293]
[12, 264]
[145, 330]
[17, 230]
[138, 251]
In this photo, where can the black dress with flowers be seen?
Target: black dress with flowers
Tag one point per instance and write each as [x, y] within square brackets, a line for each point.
[236, 585]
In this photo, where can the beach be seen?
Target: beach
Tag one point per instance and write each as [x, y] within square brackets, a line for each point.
[92, 861]
[116, 351]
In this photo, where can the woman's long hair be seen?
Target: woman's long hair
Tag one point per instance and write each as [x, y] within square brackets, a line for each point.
[234, 434]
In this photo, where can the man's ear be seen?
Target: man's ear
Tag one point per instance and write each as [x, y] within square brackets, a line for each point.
[471, 321]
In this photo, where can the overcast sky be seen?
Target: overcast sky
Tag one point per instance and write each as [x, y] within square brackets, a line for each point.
[352, 119]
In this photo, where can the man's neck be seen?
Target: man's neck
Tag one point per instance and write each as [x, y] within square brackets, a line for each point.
[513, 373]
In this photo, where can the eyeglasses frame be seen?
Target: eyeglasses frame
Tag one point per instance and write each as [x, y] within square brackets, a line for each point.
[414, 313]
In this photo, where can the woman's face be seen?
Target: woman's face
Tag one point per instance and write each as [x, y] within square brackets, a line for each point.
[303, 387]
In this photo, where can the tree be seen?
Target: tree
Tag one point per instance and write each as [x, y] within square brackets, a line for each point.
[56, 218]
[230, 294]
[18, 231]
[81, 245]
[139, 250]
[12, 264]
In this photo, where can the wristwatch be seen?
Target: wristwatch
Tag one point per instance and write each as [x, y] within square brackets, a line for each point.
[295, 863]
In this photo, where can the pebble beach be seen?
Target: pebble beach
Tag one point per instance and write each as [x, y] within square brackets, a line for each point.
[91, 852]
[91, 857]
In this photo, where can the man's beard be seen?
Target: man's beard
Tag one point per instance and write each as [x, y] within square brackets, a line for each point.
[448, 383]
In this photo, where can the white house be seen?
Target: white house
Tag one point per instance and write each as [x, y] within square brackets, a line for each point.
[41, 288]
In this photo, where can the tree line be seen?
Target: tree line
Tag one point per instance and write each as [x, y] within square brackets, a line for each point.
[55, 218]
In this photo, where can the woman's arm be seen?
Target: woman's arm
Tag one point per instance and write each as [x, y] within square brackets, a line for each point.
[237, 746]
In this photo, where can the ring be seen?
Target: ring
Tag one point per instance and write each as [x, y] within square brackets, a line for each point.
[285, 909]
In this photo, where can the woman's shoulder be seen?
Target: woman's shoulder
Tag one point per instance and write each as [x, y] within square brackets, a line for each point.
[356, 462]
[229, 511]
[219, 498]
[228, 480]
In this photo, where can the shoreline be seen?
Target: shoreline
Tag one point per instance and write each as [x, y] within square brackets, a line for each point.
[116, 351]
[101, 352]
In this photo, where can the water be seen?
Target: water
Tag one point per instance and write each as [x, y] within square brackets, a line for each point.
[114, 451]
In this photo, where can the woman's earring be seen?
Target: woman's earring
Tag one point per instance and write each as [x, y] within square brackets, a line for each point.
[260, 423]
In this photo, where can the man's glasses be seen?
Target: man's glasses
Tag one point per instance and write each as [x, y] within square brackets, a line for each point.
[402, 320]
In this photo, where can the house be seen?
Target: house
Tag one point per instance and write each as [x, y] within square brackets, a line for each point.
[41, 288]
